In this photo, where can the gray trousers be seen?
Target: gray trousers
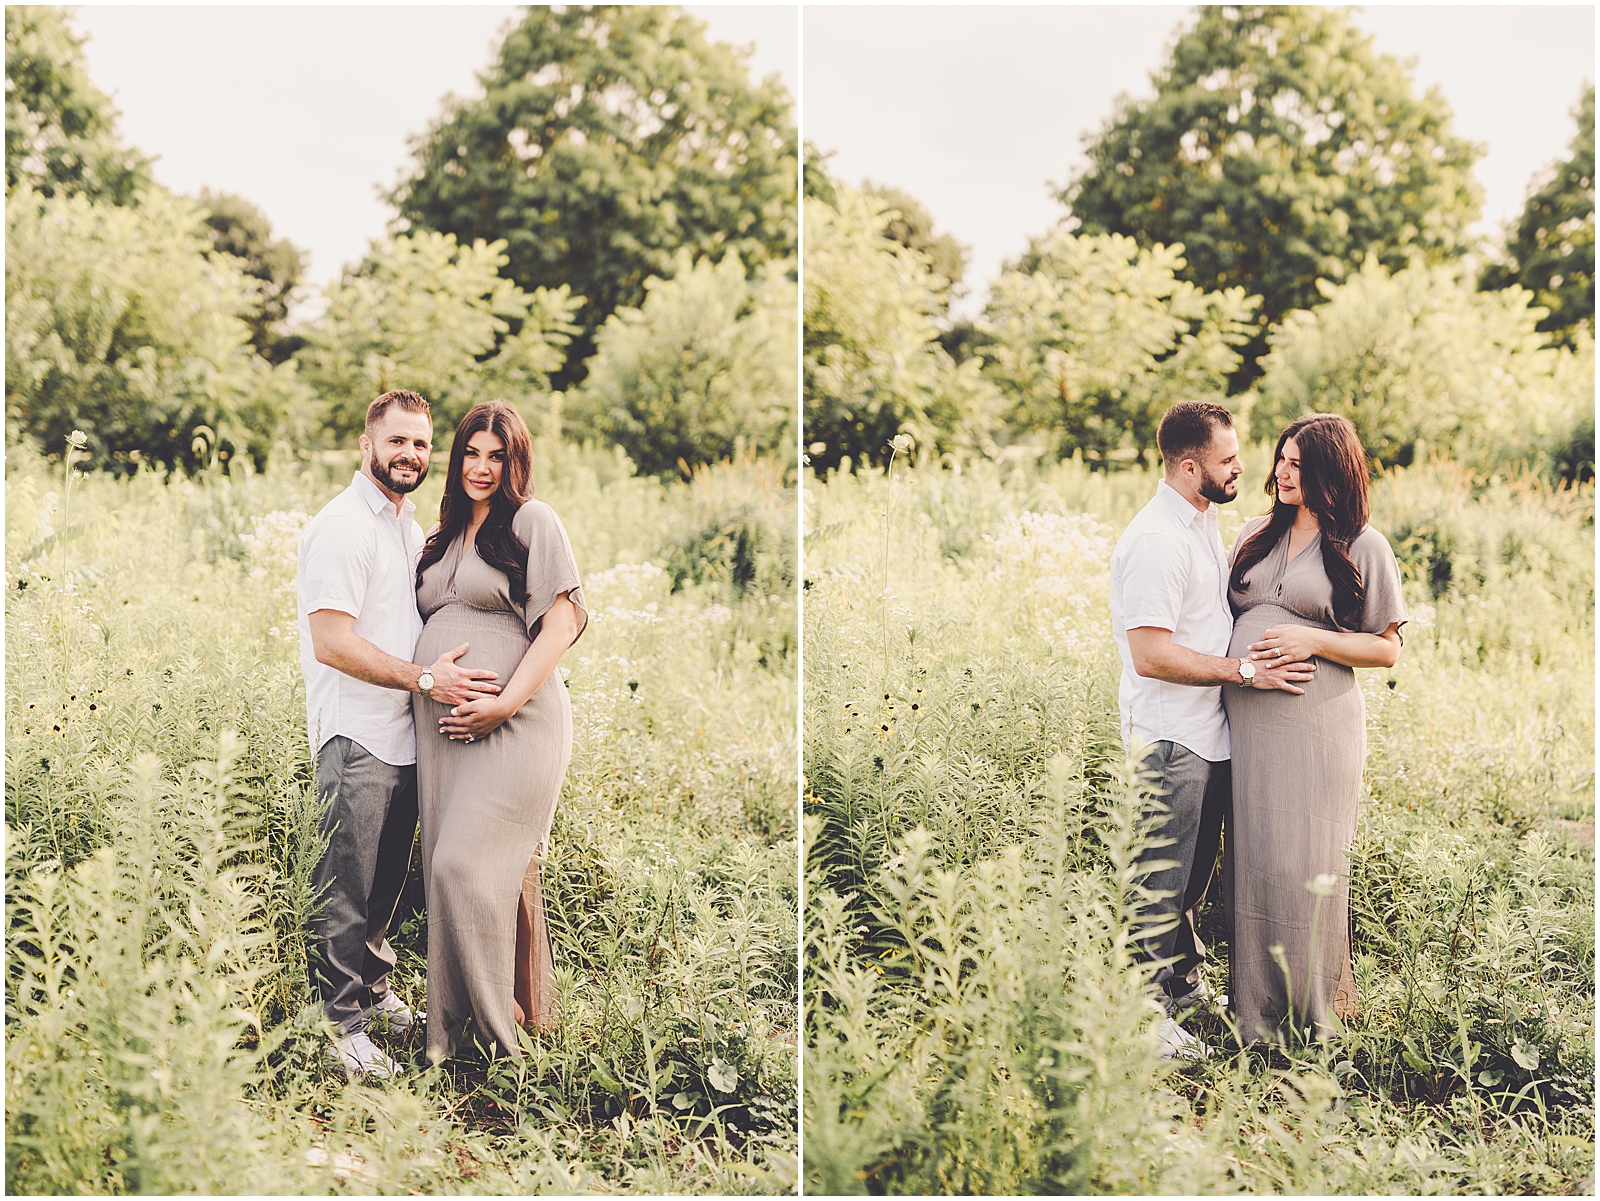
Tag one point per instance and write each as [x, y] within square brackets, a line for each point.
[371, 822]
[1198, 795]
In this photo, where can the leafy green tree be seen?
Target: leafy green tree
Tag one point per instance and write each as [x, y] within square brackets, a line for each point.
[425, 313]
[704, 368]
[873, 366]
[242, 230]
[607, 139]
[1551, 254]
[815, 178]
[1421, 362]
[61, 130]
[118, 324]
[910, 224]
[1091, 339]
[1280, 150]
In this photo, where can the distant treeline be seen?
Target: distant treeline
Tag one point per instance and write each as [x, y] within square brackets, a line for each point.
[1282, 228]
[606, 237]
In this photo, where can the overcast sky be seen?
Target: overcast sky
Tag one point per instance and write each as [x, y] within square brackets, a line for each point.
[978, 111]
[305, 110]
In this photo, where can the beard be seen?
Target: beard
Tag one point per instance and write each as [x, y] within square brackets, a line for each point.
[380, 472]
[1218, 492]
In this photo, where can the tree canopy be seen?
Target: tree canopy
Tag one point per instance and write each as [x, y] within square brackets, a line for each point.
[1280, 150]
[607, 139]
[911, 224]
[240, 229]
[1551, 251]
[1092, 338]
[61, 130]
[426, 313]
[119, 324]
[873, 364]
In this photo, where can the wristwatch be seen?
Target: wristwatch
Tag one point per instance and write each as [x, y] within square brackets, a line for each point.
[1247, 673]
[425, 683]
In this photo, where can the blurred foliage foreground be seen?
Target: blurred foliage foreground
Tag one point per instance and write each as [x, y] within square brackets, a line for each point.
[162, 824]
[974, 1020]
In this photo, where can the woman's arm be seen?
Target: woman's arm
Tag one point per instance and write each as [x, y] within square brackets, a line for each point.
[1336, 646]
[557, 631]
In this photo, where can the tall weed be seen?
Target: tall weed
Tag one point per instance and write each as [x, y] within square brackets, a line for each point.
[967, 804]
[162, 824]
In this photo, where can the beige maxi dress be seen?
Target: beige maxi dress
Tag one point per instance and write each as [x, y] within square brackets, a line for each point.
[1297, 763]
[486, 806]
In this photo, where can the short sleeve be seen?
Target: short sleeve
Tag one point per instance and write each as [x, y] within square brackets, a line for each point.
[1380, 573]
[336, 557]
[552, 568]
[1154, 576]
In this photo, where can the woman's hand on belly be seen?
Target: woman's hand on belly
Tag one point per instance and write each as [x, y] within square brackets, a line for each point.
[1287, 644]
[474, 719]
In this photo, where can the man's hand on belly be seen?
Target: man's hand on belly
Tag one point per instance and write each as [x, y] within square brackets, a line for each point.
[456, 685]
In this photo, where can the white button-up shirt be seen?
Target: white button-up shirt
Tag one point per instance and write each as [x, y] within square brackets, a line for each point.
[358, 556]
[1170, 571]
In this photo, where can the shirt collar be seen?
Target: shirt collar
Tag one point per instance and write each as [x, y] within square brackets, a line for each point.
[1181, 508]
[377, 501]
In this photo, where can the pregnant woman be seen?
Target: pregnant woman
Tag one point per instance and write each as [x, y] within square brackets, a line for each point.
[497, 573]
[1310, 579]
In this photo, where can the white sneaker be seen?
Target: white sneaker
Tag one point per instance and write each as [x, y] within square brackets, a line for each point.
[357, 1056]
[1180, 1004]
[392, 1010]
[1178, 1043]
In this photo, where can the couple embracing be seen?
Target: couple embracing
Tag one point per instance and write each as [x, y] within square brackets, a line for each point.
[432, 694]
[1237, 676]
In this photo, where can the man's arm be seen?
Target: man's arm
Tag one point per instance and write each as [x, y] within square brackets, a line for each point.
[335, 643]
[1156, 656]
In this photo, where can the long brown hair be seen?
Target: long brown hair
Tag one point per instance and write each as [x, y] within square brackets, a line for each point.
[1333, 485]
[497, 543]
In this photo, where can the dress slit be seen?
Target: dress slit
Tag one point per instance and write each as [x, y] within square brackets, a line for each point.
[535, 964]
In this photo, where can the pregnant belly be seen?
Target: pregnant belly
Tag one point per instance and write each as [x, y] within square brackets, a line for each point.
[496, 641]
[1332, 680]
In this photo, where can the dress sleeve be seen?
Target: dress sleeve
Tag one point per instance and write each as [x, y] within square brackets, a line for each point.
[552, 569]
[1374, 558]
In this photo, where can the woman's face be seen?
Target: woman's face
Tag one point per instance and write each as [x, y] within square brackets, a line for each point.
[482, 466]
[1287, 473]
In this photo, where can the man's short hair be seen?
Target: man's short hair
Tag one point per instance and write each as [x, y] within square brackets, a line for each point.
[406, 402]
[1186, 430]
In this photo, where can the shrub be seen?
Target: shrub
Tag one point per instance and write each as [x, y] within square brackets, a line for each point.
[703, 371]
[119, 325]
[1420, 359]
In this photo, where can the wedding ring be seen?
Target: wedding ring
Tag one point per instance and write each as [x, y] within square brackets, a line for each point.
[469, 737]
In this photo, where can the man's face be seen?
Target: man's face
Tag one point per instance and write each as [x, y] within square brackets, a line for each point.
[396, 451]
[1219, 466]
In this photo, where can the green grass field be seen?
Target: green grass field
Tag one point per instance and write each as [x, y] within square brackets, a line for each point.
[975, 1022]
[161, 827]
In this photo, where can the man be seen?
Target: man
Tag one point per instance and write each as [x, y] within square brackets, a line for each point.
[358, 629]
[1170, 616]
